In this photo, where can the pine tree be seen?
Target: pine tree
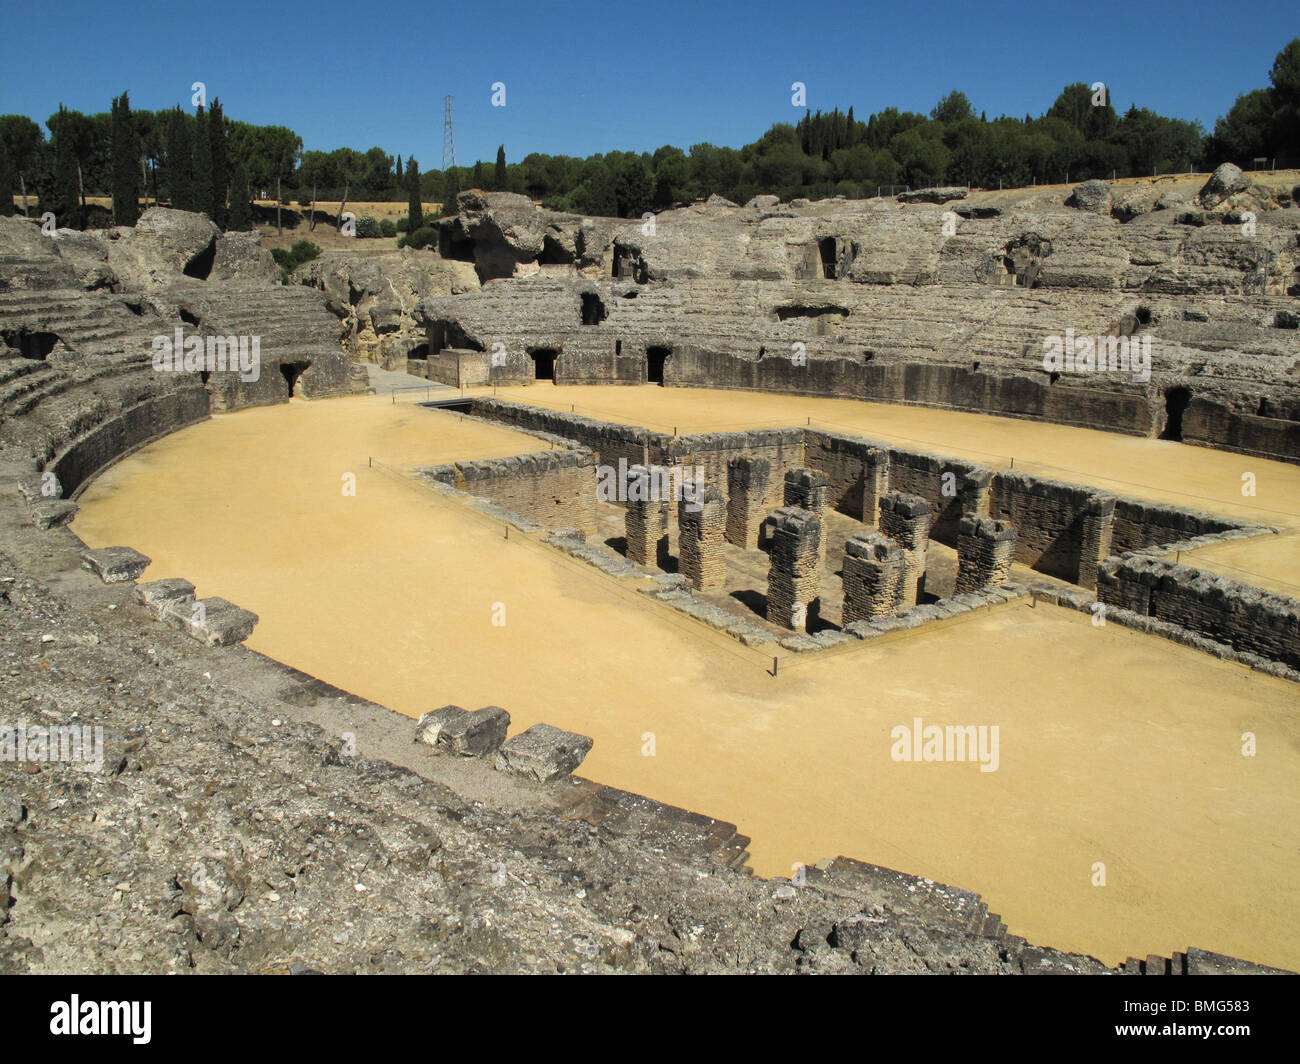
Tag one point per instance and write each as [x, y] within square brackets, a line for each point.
[241, 201]
[180, 161]
[126, 157]
[202, 164]
[8, 180]
[499, 183]
[220, 164]
[451, 189]
[67, 214]
[414, 209]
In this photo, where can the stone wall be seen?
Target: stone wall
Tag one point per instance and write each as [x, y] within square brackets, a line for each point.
[109, 440]
[857, 471]
[783, 449]
[1244, 617]
[609, 441]
[1064, 530]
[1139, 525]
[952, 487]
[556, 489]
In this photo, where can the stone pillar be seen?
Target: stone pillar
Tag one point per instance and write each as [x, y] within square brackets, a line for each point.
[985, 550]
[873, 577]
[794, 576]
[973, 491]
[701, 539]
[906, 519]
[747, 483]
[1094, 546]
[875, 482]
[646, 516]
[809, 489]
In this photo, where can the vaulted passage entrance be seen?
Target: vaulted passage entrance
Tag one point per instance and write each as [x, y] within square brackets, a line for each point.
[291, 371]
[1176, 400]
[655, 357]
[544, 363]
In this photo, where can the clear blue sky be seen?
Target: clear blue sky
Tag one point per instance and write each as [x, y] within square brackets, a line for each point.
[585, 76]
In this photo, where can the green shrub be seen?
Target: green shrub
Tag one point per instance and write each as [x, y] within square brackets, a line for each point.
[288, 261]
[403, 225]
[387, 228]
[367, 228]
[424, 237]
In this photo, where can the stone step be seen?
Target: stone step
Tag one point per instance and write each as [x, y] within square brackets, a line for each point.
[35, 397]
[13, 368]
[938, 903]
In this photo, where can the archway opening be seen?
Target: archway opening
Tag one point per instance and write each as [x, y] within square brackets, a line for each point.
[655, 357]
[544, 363]
[1176, 400]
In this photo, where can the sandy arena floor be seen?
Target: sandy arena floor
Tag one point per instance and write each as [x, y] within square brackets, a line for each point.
[1114, 747]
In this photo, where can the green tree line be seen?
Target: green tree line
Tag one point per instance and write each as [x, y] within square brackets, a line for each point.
[203, 161]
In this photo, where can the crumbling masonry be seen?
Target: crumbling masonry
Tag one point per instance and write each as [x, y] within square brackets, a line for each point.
[985, 550]
[701, 540]
[794, 578]
[906, 519]
[873, 577]
[647, 516]
[747, 483]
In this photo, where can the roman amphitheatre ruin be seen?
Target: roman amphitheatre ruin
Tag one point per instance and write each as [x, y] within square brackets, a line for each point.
[734, 590]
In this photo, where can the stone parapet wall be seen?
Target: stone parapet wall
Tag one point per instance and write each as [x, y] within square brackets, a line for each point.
[556, 489]
[1244, 617]
[1057, 532]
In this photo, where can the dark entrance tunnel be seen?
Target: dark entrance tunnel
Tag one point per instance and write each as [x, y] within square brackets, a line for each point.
[655, 357]
[544, 363]
[30, 343]
[291, 371]
[1176, 400]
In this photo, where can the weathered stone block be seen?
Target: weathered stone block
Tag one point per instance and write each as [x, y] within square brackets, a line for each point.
[159, 595]
[115, 565]
[52, 513]
[794, 574]
[543, 753]
[469, 734]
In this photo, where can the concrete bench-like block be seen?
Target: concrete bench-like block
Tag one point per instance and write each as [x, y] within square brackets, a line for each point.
[221, 623]
[115, 565]
[52, 513]
[213, 621]
[460, 731]
[543, 753]
[158, 595]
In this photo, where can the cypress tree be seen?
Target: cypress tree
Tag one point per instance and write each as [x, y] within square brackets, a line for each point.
[220, 164]
[241, 201]
[202, 164]
[8, 179]
[478, 174]
[451, 189]
[399, 172]
[414, 208]
[500, 178]
[67, 214]
[180, 161]
[126, 156]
